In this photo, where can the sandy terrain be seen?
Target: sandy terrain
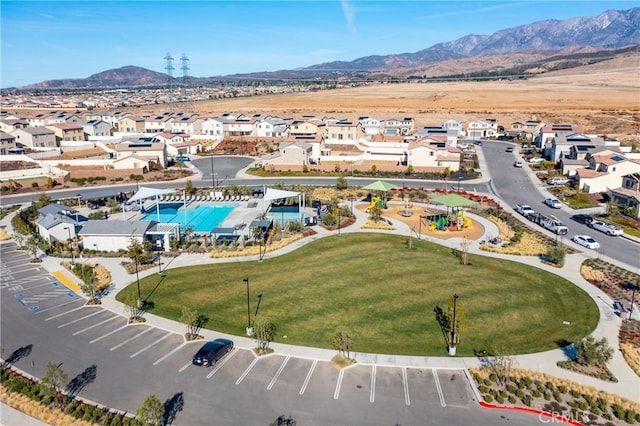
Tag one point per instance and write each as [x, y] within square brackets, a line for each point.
[603, 98]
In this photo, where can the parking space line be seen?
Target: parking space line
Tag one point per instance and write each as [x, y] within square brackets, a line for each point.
[131, 338]
[219, 365]
[169, 354]
[108, 334]
[372, 395]
[405, 384]
[306, 380]
[275, 378]
[336, 394]
[59, 306]
[40, 285]
[95, 325]
[246, 371]
[151, 345]
[98, 311]
[184, 367]
[438, 388]
[64, 313]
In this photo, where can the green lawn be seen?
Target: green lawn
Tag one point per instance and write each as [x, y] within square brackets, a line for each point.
[383, 294]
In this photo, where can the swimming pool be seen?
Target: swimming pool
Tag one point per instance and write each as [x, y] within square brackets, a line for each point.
[201, 218]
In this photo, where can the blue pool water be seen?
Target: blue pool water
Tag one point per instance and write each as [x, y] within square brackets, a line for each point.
[201, 218]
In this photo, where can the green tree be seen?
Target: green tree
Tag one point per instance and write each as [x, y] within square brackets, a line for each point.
[31, 245]
[374, 170]
[342, 342]
[90, 285]
[136, 252]
[151, 413]
[191, 319]
[53, 382]
[189, 188]
[590, 351]
[43, 200]
[341, 183]
[410, 170]
[264, 332]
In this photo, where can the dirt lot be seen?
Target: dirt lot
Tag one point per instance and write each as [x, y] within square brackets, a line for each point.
[604, 98]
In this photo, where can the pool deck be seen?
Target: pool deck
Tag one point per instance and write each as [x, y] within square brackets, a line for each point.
[243, 213]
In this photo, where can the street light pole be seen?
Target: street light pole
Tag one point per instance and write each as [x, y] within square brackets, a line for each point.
[453, 329]
[249, 329]
[633, 297]
[213, 179]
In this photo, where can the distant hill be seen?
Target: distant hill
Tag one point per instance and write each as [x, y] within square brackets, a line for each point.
[539, 47]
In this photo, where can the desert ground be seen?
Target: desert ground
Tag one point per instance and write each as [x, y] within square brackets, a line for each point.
[604, 98]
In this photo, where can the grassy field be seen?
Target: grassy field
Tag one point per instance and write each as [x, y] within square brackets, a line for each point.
[383, 294]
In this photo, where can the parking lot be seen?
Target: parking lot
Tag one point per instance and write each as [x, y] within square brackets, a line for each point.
[44, 322]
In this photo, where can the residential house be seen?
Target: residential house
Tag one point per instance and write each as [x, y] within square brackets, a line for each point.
[627, 196]
[605, 172]
[37, 119]
[187, 124]
[482, 129]
[154, 152]
[342, 130]
[238, 127]
[294, 154]
[176, 149]
[8, 125]
[560, 146]
[212, 126]
[370, 125]
[525, 127]
[132, 124]
[7, 143]
[158, 123]
[549, 131]
[36, 137]
[454, 125]
[433, 153]
[96, 128]
[312, 127]
[450, 134]
[132, 162]
[170, 138]
[271, 127]
[398, 127]
[68, 132]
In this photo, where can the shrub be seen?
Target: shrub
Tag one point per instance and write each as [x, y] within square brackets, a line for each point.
[527, 400]
[482, 388]
[500, 399]
[487, 398]
[519, 393]
[512, 399]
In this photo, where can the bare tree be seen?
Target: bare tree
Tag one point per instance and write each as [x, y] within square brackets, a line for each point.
[465, 244]
[342, 342]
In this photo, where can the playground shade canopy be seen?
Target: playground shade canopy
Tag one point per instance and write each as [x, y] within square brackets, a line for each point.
[453, 200]
[379, 185]
[276, 194]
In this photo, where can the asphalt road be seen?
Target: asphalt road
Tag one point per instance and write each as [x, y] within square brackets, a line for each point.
[119, 365]
[513, 186]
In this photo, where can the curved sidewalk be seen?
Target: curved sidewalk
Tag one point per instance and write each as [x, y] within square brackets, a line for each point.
[608, 325]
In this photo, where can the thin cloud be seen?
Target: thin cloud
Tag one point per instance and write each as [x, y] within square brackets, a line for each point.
[471, 11]
[349, 15]
[46, 15]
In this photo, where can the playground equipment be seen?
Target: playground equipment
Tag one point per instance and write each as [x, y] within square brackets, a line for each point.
[377, 201]
[407, 209]
[455, 221]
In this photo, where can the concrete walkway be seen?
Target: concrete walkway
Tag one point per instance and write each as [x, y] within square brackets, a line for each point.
[608, 325]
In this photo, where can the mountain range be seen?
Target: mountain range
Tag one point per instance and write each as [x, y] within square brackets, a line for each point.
[527, 49]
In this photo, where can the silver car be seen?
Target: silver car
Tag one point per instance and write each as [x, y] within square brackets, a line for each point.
[607, 228]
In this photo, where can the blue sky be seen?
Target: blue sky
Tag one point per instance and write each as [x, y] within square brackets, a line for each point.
[55, 39]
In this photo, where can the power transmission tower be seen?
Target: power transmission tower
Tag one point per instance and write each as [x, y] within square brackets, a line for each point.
[187, 104]
[168, 61]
